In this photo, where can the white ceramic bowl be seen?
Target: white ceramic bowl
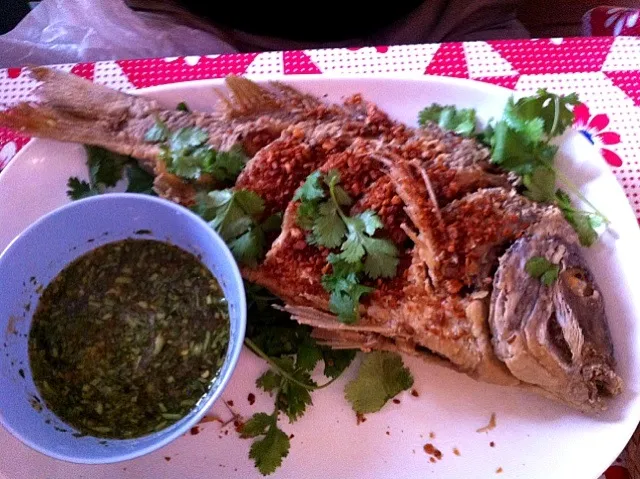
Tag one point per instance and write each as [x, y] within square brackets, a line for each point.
[36, 256]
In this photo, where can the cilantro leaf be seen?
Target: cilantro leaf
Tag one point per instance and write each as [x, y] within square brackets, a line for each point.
[139, 181]
[511, 149]
[235, 215]
[345, 301]
[249, 201]
[337, 193]
[371, 221]
[157, 133]
[340, 195]
[596, 221]
[345, 288]
[324, 219]
[228, 164]
[461, 121]
[186, 153]
[583, 223]
[519, 141]
[269, 381]
[382, 375]
[306, 213]
[78, 189]
[182, 106]
[187, 137]
[531, 127]
[272, 329]
[537, 266]
[309, 354]
[230, 212]
[542, 269]
[105, 167]
[269, 451]
[382, 255]
[336, 361]
[311, 189]
[249, 246]
[541, 185]
[382, 258]
[105, 171]
[272, 223]
[292, 397]
[563, 200]
[552, 109]
[328, 228]
[257, 425]
[550, 276]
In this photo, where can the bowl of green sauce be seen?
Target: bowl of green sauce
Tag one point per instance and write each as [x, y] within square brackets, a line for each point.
[122, 319]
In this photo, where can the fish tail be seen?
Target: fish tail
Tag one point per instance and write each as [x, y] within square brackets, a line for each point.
[72, 109]
[45, 121]
[80, 97]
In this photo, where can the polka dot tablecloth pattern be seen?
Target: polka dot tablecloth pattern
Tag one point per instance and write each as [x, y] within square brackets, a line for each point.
[604, 71]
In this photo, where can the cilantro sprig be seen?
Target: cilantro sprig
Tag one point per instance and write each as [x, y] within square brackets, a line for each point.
[186, 153]
[292, 355]
[321, 213]
[272, 445]
[585, 223]
[521, 142]
[461, 121]
[106, 169]
[236, 217]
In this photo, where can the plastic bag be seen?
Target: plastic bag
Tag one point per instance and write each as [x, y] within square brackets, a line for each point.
[72, 31]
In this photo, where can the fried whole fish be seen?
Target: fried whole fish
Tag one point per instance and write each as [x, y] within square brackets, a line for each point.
[461, 296]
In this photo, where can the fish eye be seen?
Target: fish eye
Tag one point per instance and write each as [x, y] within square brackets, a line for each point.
[577, 281]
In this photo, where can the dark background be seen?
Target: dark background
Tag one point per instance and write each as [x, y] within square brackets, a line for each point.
[11, 12]
[543, 18]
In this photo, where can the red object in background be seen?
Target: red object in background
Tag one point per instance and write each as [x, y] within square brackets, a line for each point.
[611, 21]
[617, 472]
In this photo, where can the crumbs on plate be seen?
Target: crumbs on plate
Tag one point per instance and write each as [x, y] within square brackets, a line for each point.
[491, 426]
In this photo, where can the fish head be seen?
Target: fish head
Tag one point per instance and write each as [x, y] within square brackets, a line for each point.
[553, 333]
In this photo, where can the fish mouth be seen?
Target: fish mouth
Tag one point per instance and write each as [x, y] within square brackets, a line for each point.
[553, 336]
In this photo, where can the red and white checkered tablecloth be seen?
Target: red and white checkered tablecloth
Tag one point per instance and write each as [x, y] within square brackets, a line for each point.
[604, 71]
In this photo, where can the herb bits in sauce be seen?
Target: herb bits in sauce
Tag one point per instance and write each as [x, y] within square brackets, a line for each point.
[127, 338]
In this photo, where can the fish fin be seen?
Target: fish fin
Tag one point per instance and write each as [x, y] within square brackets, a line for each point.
[246, 98]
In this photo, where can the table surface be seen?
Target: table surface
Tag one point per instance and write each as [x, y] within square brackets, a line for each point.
[604, 71]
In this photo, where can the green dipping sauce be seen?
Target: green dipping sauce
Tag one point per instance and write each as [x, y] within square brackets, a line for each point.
[128, 338]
